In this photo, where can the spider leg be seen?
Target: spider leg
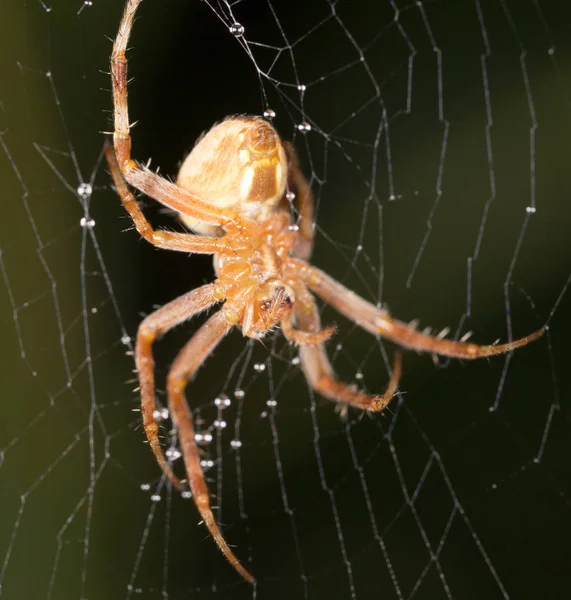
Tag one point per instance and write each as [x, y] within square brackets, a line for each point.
[298, 182]
[303, 338]
[169, 240]
[185, 365]
[379, 322]
[154, 325]
[143, 179]
[318, 369]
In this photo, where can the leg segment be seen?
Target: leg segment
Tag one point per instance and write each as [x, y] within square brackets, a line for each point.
[318, 369]
[379, 322]
[298, 182]
[185, 365]
[153, 326]
[169, 240]
[143, 179]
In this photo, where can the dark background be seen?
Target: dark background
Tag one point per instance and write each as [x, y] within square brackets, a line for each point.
[438, 494]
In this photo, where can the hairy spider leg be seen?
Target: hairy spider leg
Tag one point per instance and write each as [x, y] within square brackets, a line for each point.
[304, 200]
[169, 240]
[142, 178]
[379, 322]
[318, 369]
[185, 365]
[156, 324]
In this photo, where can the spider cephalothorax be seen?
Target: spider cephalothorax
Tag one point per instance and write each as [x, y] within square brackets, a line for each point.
[231, 191]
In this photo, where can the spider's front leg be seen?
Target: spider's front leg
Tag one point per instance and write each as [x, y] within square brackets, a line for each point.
[185, 365]
[318, 369]
[153, 326]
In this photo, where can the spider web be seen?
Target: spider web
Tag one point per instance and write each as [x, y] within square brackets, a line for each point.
[436, 138]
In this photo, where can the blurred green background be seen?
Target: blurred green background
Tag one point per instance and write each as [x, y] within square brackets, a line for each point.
[438, 497]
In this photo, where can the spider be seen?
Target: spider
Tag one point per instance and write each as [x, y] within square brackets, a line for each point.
[231, 192]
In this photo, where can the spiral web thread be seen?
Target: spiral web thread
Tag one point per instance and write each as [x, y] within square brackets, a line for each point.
[433, 135]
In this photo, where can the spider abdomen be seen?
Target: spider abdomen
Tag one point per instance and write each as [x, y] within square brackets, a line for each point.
[241, 163]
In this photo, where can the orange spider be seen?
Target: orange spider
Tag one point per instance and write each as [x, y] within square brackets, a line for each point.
[231, 191]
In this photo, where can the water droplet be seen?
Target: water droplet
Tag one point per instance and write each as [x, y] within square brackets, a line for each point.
[219, 424]
[295, 360]
[161, 414]
[290, 196]
[359, 248]
[84, 190]
[304, 127]
[358, 375]
[293, 227]
[222, 401]
[87, 223]
[236, 29]
[238, 393]
[236, 443]
[125, 340]
[302, 87]
[156, 498]
[186, 494]
[271, 403]
[145, 487]
[206, 464]
[551, 51]
[269, 113]
[172, 454]
[530, 209]
[259, 367]
[339, 347]
[392, 197]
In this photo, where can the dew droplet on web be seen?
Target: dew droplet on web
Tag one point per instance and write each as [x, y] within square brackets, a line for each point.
[161, 414]
[203, 438]
[156, 498]
[304, 127]
[530, 209]
[295, 360]
[145, 487]
[237, 29]
[269, 113]
[271, 403]
[238, 393]
[290, 196]
[87, 223]
[302, 87]
[186, 494]
[259, 367]
[207, 464]
[219, 424]
[223, 401]
[125, 340]
[172, 454]
[84, 190]
[235, 443]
